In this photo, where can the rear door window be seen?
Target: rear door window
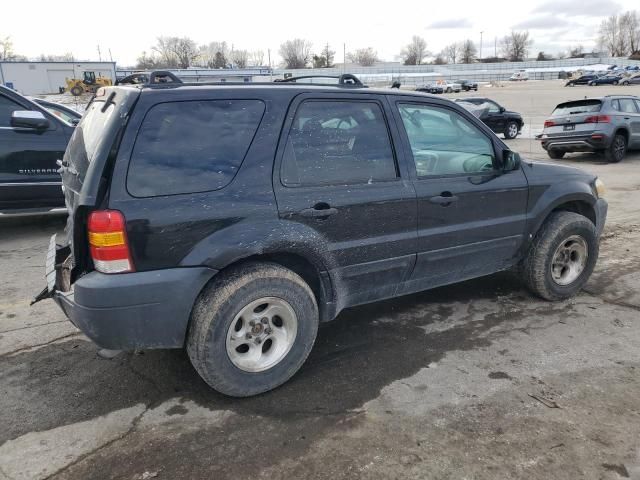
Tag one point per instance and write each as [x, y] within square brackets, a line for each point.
[627, 105]
[338, 142]
[192, 146]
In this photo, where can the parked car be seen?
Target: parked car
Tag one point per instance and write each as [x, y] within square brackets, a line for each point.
[31, 140]
[582, 80]
[69, 115]
[179, 238]
[519, 76]
[431, 88]
[608, 124]
[449, 86]
[468, 85]
[496, 117]
[611, 79]
[632, 80]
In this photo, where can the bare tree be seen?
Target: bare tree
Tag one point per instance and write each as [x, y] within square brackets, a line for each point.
[325, 58]
[440, 60]
[363, 56]
[611, 38]
[295, 53]
[576, 52]
[516, 45]
[6, 49]
[214, 55]
[66, 57]
[164, 49]
[630, 31]
[415, 52]
[452, 52]
[185, 51]
[468, 51]
[256, 58]
[240, 58]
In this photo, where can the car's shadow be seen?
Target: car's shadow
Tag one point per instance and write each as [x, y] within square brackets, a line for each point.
[354, 357]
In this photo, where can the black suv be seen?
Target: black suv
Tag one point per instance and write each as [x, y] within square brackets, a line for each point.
[32, 139]
[497, 118]
[232, 219]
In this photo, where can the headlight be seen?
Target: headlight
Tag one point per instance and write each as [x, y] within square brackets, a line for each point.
[599, 187]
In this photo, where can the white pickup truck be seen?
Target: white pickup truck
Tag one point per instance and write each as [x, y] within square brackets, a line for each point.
[449, 86]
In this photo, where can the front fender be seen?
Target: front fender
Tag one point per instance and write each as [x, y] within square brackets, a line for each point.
[542, 201]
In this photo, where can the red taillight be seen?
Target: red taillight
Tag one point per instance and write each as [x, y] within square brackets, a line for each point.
[108, 242]
[598, 119]
[549, 123]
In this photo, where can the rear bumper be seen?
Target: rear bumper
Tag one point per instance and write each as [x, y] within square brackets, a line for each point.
[576, 143]
[135, 310]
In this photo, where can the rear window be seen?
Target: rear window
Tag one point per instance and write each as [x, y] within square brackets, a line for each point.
[193, 146]
[580, 106]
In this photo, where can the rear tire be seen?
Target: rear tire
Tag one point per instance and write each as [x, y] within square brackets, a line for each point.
[555, 154]
[617, 150]
[561, 257]
[224, 316]
[625, 83]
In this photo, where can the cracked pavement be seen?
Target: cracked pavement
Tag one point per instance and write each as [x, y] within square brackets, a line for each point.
[479, 380]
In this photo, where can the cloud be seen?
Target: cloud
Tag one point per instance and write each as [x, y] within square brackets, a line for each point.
[584, 8]
[451, 23]
[543, 22]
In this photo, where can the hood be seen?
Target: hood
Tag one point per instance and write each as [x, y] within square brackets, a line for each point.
[546, 169]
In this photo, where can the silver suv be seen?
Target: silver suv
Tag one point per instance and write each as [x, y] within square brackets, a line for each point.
[608, 124]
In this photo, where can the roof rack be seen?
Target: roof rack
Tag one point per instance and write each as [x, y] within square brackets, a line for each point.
[345, 80]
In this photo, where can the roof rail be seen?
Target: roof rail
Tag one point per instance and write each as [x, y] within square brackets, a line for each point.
[144, 78]
[346, 79]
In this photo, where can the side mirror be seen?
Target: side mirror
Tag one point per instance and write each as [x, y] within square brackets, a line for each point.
[502, 109]
[510, 161]
[29, 119]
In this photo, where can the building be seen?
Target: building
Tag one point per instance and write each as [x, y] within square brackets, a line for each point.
[35, 78]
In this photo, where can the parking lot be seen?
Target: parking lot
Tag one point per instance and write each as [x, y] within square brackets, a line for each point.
[479, 380]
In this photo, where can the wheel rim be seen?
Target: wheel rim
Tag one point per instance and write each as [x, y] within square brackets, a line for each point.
[569, 260]
[513, 130]
[618, 147]
[261, 334]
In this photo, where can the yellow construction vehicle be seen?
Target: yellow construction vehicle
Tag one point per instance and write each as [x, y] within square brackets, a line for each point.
[89, 83]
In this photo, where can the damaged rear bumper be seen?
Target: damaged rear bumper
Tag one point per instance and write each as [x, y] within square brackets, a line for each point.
[134, 310]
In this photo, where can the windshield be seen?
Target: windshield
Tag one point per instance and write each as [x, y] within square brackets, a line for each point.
[580, 106]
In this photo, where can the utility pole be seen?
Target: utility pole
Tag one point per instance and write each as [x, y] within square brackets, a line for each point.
[344, 58]
[99, 54]
[481, 45]
[110, 56]
[270, 69]
[495, 48]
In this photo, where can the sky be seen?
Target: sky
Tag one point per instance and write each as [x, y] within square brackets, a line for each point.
[126, 29]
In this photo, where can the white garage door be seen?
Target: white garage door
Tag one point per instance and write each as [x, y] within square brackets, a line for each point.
[56, 78]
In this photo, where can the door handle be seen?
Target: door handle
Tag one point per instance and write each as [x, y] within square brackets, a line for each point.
[320, 210]
[445, 199]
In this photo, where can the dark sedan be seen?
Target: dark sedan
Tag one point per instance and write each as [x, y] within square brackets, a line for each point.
[606, 80]
[468, 85]
[495, 116]
[431, 88]
[582, 80]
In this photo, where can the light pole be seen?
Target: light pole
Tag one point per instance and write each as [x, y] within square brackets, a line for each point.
[481, 45]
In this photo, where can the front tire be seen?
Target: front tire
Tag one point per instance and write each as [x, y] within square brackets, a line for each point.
[76, 91]
[511, 131]
[555, 154]
[617, 150]
[252, 329]
[562, 256]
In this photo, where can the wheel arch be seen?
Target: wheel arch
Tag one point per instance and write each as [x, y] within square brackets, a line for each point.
[581, 204]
